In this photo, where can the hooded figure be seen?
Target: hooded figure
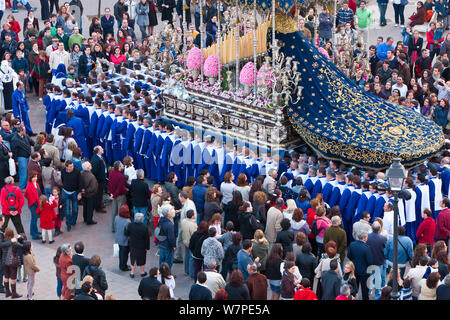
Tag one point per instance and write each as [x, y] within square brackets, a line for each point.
[60, 74]
[8, 81]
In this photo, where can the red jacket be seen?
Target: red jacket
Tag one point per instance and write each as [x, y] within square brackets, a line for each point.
[116, 183]
[341, 297]
[47, 215]
[310, 217]
[305, 294]
[31, 194]
[442, 224]
[19, 196]
[15, 26]
[425, 232]
[119, 59]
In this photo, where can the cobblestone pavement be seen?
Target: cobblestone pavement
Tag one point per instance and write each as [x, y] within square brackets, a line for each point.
[98, 238]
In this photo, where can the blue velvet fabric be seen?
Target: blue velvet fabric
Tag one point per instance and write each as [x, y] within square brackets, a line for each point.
[340, 121]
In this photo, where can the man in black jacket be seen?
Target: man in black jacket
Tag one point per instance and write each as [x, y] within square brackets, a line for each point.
[331, 282]
[119, 9]
[149, 286]
[99, 171]
[78, 259]
[140, 193]
[21, 148]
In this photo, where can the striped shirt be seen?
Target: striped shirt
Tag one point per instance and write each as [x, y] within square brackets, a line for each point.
[345, 16]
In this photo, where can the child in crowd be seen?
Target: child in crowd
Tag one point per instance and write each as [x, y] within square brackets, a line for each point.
[59, 210]
[31, 267]
[47, 216]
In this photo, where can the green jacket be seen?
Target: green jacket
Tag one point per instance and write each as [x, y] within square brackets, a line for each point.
[338, 235]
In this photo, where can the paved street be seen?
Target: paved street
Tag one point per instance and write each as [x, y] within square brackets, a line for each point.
[98, 238]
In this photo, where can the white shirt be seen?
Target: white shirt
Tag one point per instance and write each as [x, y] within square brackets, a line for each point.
[388, 222]
[403, 89]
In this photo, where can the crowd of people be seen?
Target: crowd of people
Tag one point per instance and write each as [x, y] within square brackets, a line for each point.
[243, 223]
[412, 72]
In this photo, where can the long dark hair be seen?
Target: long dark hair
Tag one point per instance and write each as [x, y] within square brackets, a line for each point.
[276, 254]
[237, 198]
[256, 186]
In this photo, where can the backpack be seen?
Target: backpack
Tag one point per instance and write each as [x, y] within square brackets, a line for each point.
[160, 235]
[314, 229]
[11, 199]
[12, 258]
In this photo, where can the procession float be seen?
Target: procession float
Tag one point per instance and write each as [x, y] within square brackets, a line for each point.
[264, 85]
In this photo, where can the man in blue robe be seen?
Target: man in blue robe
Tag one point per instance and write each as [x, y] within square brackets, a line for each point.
[320, 183]
[105, 131]
[338, 190]
[378, 211]
[20, 107]
[138, 139]
[79, 131]
[128, 145]
[328, 187]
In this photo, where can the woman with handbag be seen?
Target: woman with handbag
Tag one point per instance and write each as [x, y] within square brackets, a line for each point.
[10, 261]
[43, 73]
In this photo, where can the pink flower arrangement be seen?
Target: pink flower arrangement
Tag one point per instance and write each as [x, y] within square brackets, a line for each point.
[265, 75]
[194, 58]
[211, 67]
[247, 75]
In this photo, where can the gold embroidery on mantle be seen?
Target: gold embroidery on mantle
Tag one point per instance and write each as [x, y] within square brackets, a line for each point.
[284, 23]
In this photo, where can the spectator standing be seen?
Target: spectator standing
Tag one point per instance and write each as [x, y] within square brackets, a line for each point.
[338, 235]
[121, 222]
[21, 150]
[405, 250]
[65, 263]
[188, 227]
[360, 254]
[29, 261]
[140, 194]
[107, 23]
[12, 202]
[377, 243]
[443, 221]
[32, 194]
[71, 192]
[116, 187]
[99, 171]
[274, 217]
[139, 242]
[89, 187]
[212, 249]
[331, 282]
[166, 239]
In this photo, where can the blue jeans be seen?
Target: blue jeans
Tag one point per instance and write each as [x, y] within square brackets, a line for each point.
[23, 172]
[382, 7]
[71, 213]
[188, 262]
[27, 5]
[59, 287]
[142, 210]
[166, 255]
[34, 232]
